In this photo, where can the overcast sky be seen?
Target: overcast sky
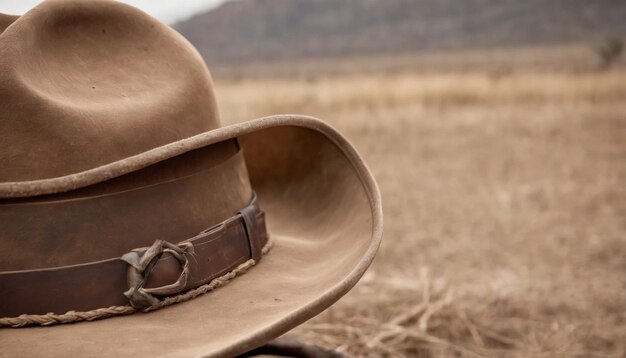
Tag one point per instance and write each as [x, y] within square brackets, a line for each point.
[166, 11]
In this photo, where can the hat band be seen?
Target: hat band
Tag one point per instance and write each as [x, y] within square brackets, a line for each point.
[210, 254]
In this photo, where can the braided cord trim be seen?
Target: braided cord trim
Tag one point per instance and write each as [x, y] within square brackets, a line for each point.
[49, 319]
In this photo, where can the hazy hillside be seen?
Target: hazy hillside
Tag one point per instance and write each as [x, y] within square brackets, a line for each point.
[252, 30]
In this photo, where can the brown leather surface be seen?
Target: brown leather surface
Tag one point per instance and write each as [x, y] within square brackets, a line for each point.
[89, 286]
[88, 225]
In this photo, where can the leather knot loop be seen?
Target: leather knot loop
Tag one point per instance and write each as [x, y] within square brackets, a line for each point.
[142, 261]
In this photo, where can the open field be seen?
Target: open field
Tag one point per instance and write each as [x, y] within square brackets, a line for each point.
[568, 58]
[505, 208]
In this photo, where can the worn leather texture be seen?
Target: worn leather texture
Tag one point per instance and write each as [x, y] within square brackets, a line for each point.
[218, 249]
[151, 121]
[116, 216]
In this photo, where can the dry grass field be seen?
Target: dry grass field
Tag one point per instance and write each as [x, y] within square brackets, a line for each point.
[504, 201]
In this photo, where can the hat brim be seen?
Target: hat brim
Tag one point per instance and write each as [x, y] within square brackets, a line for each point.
[324, 216]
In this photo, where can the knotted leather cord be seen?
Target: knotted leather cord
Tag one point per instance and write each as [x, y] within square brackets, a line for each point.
[143, 260]
[73, 316]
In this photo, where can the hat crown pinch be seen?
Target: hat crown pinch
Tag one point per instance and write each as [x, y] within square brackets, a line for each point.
[87, 83]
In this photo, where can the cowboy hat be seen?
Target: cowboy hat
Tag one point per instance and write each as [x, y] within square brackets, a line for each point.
[124, 203]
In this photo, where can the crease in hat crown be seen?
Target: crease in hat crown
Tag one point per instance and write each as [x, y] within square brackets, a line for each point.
[84, 84]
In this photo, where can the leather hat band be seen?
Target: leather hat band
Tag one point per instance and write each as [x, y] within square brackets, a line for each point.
[141, 277]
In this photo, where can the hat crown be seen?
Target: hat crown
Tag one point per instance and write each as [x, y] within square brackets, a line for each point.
[87, 83]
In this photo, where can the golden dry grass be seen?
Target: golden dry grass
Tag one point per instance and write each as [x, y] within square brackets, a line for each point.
[552, 58]
[505, 209]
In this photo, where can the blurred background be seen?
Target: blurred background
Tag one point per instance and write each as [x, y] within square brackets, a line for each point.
[497, 132]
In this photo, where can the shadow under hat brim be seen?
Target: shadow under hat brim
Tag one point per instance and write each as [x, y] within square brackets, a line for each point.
[324, 216]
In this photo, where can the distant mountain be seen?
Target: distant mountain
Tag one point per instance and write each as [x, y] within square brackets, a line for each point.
[261, 30]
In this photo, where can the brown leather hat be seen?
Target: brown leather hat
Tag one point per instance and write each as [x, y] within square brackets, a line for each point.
[123, 202]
